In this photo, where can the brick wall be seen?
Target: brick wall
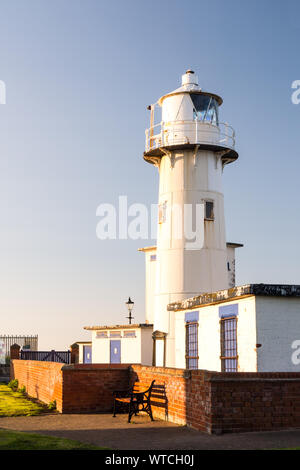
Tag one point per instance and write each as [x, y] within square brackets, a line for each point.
[207, 401]
[224, 402]
[77, 388]
[43, 380]
[89, 387]
[255, 401]
[174, 381]
[187, 394]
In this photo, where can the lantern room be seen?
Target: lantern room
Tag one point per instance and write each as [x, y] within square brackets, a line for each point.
[189, 117]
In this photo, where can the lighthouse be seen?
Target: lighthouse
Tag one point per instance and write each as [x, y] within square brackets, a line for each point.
[196, 317]
[190, 146]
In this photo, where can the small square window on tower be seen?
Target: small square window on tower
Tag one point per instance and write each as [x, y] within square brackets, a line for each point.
[209, 210]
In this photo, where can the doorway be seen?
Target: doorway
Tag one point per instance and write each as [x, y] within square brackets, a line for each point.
[87, 354]
[115, 351]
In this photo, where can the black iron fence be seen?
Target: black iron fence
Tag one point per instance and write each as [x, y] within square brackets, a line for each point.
[51, 356]
[25, 342]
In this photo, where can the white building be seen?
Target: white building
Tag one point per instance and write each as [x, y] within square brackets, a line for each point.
[251, 328]
[195, 315]
[122, 344]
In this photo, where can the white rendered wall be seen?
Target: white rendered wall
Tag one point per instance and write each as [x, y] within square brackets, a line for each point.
[247, 335]
[209, 336]
[183, 273]
[80, 354]
[180, 362]
[159, 353]
[131, 349]
[150, 284]
[170, 353]
[100, 349]
[231, 264]
[278, 326]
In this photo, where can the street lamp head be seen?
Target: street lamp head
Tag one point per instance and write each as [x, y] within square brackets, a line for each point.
[130, 305]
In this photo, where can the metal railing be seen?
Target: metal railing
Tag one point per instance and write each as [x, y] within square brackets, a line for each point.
[50, 356]
[23, 341]
[196, 132]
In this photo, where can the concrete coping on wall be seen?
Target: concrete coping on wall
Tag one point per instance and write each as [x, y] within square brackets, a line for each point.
[275, 290]
[94, 367]
[172, 371]
[206, 375]
[214, 376]
[119, 327]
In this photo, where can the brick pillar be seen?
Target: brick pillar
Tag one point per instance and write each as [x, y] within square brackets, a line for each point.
[74, 348]
[15, 351]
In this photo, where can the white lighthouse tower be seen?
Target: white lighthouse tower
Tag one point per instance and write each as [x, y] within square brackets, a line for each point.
[190, 148]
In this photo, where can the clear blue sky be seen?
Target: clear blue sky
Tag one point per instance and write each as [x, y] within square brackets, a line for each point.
[79, 76]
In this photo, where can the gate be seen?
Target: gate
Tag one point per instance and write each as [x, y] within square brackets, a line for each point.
[50, 356]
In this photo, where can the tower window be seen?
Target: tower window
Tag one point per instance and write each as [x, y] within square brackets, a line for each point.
[209, 210]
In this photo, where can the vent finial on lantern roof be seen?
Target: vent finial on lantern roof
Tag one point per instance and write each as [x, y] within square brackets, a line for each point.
[189, 78]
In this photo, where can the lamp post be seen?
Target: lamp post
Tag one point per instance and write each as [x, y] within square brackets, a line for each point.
[130, 305]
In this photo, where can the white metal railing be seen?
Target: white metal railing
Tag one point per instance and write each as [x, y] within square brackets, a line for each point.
[165, 134]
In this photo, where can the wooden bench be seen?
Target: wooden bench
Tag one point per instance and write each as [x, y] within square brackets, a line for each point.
[136, 399]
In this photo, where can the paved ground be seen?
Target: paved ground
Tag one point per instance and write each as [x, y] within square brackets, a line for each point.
[116, 433]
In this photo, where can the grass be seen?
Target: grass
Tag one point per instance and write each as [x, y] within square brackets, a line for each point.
[13, 440]
[17, 404]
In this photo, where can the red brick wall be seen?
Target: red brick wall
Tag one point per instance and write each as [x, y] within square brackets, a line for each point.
[77, 388]
[207, 401]
[255, 401]
[224, 402]
[43, 380]
[187, 395]
[89, 387]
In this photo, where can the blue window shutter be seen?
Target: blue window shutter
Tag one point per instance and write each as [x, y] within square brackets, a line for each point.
[229, 311]
[191, 316]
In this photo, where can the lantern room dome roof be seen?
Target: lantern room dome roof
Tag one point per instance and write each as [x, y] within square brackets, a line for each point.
[190, 85]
